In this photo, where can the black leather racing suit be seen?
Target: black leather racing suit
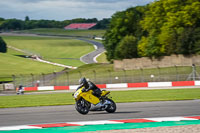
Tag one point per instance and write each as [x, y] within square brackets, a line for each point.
[91, 86]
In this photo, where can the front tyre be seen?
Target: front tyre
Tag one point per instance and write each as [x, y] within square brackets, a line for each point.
[82, 106]
[111, 107]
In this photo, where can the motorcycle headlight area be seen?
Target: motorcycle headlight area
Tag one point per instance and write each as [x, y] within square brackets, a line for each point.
[76, 94]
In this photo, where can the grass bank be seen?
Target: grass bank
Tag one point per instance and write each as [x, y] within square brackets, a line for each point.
[59, 50]
[118, 96]
[105, 73]
[12, 63]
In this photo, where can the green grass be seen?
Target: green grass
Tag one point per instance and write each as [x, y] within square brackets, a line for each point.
[12, 64]
[35, 100]
[102, 70]
[156, 95]
[75, 33]
[118, 96]
[52, 49]
[102, 58]
[105, 73]
[88, 72]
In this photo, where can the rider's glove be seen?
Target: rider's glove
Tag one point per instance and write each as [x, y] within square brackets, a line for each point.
[84, 90]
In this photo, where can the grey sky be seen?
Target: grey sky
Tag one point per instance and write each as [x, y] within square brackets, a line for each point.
[64, 9]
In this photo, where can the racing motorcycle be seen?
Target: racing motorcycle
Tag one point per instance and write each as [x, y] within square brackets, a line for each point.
[86, 101]
[20, 90]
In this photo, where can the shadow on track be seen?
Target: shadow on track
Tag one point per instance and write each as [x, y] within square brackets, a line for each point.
[120, 112]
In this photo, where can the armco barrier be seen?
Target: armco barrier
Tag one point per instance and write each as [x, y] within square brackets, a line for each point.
[135, 85]
[184, 83]
[120, 85]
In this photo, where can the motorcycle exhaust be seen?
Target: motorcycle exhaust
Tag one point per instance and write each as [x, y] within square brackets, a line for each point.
[100, 106]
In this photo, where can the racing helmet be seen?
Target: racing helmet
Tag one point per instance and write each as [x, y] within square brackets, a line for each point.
[83, 81]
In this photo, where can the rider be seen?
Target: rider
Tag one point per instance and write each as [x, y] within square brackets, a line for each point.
[89, 86]
[20, 90]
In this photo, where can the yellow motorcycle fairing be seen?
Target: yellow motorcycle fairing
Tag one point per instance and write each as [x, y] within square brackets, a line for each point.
[88, 96]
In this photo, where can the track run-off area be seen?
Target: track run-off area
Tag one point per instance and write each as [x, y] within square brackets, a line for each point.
[128, 116]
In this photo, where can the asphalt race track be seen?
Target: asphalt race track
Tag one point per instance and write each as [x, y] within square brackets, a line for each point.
[57, 114]
[89, 58]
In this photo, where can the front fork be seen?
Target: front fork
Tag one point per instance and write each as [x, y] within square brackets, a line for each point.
[84, 103]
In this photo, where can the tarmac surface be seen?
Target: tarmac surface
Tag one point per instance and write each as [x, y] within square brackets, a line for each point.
[90, 58]
[57, 114]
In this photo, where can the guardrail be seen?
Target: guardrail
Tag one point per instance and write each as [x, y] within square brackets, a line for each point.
[67, 78]
[119, 85]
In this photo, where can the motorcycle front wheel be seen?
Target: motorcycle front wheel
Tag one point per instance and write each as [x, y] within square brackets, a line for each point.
[82, 106]
[111, 107]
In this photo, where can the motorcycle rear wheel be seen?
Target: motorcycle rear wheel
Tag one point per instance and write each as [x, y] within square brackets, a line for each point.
[112, 107]
[82, 107]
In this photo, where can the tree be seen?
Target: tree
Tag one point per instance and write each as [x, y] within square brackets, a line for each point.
[27, 18]
[127, 48]
[103, 24]
[13, 24]
[3, 46]
[171, 25]
[125, 23]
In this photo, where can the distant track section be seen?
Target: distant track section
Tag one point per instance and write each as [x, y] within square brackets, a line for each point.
[91, 57]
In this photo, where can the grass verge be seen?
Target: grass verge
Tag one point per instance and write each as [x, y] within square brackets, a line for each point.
[102, 58]
[12, 64]
[118, 96]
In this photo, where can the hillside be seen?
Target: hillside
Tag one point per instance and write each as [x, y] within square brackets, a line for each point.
[12, 63]
[59, 50]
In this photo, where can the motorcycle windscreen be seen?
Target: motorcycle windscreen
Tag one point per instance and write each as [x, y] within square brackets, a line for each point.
[90, 98]
[103, 93]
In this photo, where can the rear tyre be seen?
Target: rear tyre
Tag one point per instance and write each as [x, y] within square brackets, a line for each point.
[111, 107]
[82, 106]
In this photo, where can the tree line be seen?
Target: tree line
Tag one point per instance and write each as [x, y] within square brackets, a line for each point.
[17, 24]
[163, 27]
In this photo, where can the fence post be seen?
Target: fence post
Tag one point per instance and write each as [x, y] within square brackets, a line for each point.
[94, 75]
[124, 75]
[193, 72]
[177, 79]
[67, 78]
[158, 73]
[32, 76]
[43, 79]
[142, 75]
[132, 77]
[110, 76]
[14, 80]
[55, 78]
